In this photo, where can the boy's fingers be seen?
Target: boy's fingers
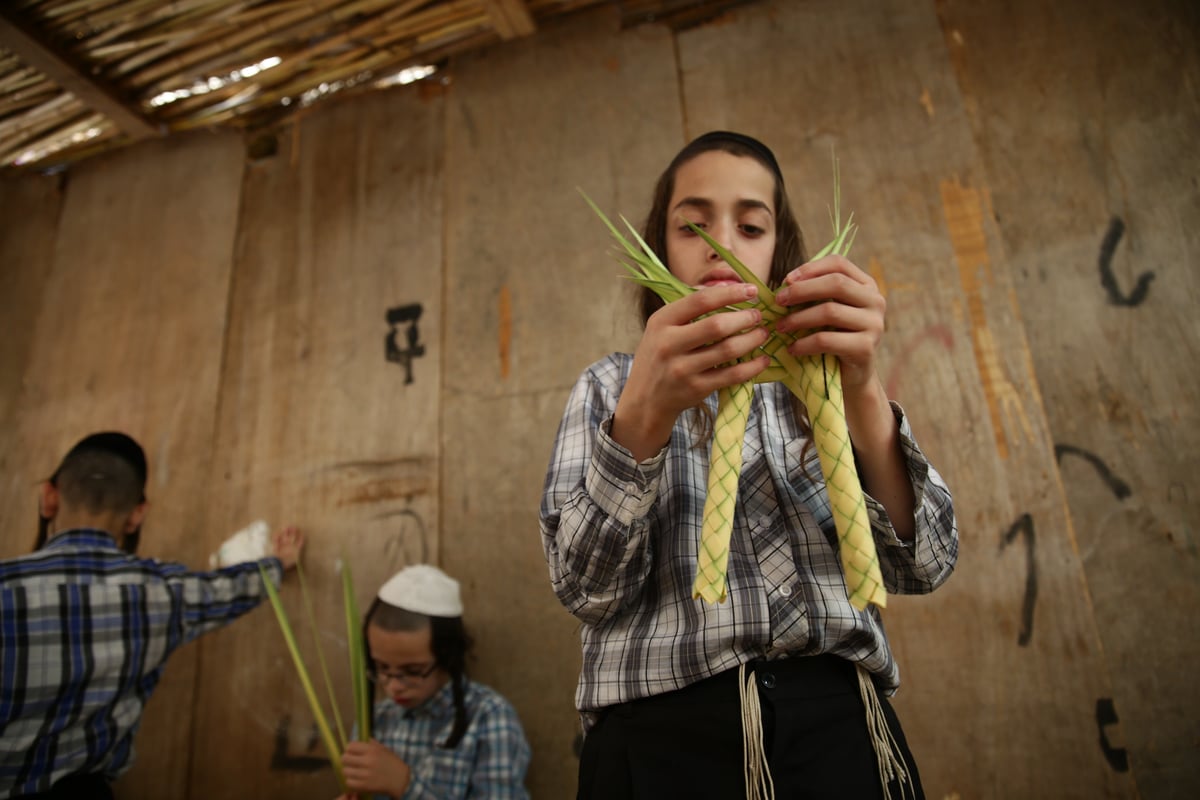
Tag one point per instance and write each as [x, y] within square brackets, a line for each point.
[701, 302]
[729, 349]
[826, 265]
[838, 287]
[740, 372]
[289, 536]
[724, 326]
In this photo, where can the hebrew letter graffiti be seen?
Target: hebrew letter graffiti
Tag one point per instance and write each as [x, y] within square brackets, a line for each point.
[1025, 525]
[404, 315]
[1108, 247]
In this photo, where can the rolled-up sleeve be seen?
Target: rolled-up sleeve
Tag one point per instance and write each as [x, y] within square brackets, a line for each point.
[208, 600]
[596, 504]
[921, 565]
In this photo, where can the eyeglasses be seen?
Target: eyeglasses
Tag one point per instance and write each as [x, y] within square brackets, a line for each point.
[409, 674]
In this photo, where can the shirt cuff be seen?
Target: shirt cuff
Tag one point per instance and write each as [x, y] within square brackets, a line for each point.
[917, 467]
[621, 487]
[274, 568]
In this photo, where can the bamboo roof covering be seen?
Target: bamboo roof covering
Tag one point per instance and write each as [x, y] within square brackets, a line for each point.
[79, 77]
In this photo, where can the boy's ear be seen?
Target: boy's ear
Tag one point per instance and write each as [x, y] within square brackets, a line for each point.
[48, 500]
[136, 517]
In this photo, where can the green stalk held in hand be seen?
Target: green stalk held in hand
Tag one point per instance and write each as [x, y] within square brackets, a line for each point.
[312, 626]
[358, 668]
[816, 380]
[358, 655]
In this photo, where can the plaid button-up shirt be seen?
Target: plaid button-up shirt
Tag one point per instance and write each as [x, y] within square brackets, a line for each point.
[621, 537]
[490, 760]
[85, 632]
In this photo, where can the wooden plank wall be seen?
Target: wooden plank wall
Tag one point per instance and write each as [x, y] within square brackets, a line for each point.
[1088, 138]
[1016, 170]
[129, 331]
[26, 259]
[318, 427]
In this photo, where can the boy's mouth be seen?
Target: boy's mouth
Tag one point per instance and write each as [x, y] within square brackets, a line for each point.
[721, 276]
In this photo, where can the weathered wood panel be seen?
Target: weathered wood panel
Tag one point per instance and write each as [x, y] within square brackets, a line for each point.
[128, 336]
[317, 427]
[1088, 134]
[29, 210]
[990, 713]
[986, 158]
[533, 298]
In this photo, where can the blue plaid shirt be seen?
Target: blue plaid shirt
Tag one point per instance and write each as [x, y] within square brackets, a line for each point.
[620, 538]
[85, 632]
[489, 762]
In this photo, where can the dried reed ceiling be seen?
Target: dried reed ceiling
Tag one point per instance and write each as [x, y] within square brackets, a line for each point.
[78, 77]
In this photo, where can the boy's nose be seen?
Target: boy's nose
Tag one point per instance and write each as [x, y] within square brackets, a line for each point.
[720, 235]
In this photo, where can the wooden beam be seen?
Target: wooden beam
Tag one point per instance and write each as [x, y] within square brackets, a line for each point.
[510, 18]
[25, 42]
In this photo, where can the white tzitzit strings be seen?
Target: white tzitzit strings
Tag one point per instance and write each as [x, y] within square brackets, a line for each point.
[887, 750]
[758, 775]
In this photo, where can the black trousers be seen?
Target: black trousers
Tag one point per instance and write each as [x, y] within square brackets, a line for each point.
[81, 786]
[688, 743]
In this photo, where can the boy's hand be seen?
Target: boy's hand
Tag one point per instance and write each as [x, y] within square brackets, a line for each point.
[686, 353]
[371, 767]
[842, 311]
[286, 544]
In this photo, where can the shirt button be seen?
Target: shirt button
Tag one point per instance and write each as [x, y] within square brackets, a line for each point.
[631, 488]
[763, 522]
[786, 590]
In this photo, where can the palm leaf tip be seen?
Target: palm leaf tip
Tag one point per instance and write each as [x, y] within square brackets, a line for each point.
[639, 259]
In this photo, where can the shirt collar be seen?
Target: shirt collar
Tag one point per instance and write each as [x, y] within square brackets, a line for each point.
[440, 705]
[81, 539]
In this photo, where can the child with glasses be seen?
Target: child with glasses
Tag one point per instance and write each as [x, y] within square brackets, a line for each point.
[436, 733]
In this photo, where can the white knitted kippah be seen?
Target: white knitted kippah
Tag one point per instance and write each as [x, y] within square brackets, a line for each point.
[424, 589]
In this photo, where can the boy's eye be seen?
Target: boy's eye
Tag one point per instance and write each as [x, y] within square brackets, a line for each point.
[753, 230]
[686, 228]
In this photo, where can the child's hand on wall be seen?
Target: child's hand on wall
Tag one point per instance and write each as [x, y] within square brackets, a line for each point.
[286, 544]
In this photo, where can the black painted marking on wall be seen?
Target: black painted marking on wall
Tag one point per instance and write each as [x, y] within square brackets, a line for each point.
[1024, 525]
[283, 761]
[1108, 247]
[404, 315]
[1106, 714]
[1118, 486]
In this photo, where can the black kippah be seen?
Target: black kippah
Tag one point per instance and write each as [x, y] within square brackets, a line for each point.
[118, 444]
[749, 142]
